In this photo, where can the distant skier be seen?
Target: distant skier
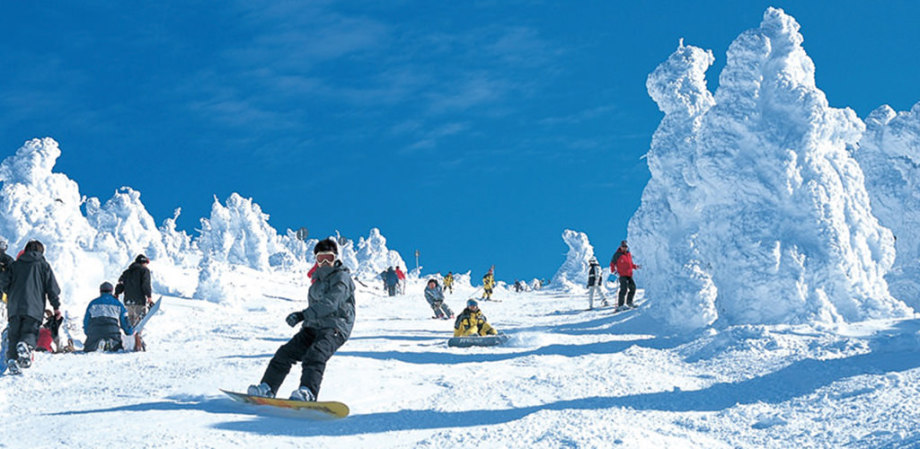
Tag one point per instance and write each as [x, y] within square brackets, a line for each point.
[622, 265]
[135, 284]
[435, 297]
[488, 283]
[29, 283]
[104, 320]
[383, 277]
[595, 282]
[391, 280]
[449, 282]
[401, 276]
[327, 324]
[472, 322]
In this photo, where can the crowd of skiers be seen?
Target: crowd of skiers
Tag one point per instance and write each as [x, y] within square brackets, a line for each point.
[29, 286]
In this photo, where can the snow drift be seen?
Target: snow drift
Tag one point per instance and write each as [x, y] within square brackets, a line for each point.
[755, 211]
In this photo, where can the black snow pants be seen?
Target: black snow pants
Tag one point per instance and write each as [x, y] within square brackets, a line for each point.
[313, 348]
[626, 284]
[22, 328]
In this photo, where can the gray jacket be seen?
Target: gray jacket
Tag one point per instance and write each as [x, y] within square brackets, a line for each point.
[28, 282]
[331, 300]
[434, 294]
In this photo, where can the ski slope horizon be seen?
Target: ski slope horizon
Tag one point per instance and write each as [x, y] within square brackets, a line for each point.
[776, 306]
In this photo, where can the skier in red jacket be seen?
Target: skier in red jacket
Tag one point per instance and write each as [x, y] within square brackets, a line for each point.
[622, 265]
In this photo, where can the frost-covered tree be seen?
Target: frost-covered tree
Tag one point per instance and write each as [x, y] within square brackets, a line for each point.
[756, 212]
[373, 256]
[239, 233]
[889, 154]
[124, 228]
[573, 274]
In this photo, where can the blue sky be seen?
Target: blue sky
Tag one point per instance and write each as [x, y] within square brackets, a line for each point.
[475, 132]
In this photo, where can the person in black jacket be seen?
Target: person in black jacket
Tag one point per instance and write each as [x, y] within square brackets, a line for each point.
[5, 262]
[135, 284]
[29, 282]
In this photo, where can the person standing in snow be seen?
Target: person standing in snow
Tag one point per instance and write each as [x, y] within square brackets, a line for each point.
[104, 320]
[435, 297]
[5, 261]
[488, 283]
[135, 284]
[391, 280]
[595, 282]
[29, 283]
[472, 322]
[327, 323]
[449, 282]
[401, 276]
[622, 265]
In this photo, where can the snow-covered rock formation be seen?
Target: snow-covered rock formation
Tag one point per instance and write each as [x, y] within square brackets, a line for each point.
[373, 257]
[756, 212]
[889, 154]
[36, 204]
[573, 274]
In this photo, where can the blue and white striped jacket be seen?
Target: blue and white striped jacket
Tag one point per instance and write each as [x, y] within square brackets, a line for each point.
[103, 316]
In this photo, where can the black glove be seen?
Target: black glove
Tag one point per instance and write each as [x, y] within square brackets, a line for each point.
[294, 318]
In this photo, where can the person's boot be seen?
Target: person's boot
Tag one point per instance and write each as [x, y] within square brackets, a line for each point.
[303, 394]
[24, 351]
[13, 367]
[261, 390]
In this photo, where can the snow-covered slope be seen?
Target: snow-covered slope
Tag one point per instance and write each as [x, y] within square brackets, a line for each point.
[889, 154]
[756, 212]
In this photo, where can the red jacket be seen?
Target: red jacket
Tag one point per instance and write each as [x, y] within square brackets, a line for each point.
[622, 263]
[400, 274]
[310, 273]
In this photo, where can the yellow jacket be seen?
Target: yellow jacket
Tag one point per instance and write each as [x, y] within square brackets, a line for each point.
[448, 280]
[488, 281]
[471, 323]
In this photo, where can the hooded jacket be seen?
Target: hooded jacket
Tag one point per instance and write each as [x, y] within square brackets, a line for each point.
[29, 281]
[331, 300]
[135, 283]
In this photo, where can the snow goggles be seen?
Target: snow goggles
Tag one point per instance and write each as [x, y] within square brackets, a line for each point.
[325, 258]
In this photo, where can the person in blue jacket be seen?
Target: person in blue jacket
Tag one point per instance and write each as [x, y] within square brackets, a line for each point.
[101, 322]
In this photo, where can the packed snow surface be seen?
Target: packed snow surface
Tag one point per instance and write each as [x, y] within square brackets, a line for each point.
[568, 378]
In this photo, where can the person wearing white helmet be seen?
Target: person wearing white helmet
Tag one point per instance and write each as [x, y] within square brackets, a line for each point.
[595, 282]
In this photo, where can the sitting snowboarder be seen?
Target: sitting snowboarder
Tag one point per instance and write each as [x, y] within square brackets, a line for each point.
[101, 322]
[472, 322]
[435, 297]
[49, 339]
[327, 323]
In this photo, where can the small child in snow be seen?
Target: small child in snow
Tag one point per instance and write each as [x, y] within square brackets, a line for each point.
[435, 297]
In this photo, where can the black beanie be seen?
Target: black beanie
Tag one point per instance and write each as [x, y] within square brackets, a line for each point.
[325, 246]
[106, 287]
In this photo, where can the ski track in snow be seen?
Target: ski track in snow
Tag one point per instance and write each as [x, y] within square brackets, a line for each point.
[569, 378]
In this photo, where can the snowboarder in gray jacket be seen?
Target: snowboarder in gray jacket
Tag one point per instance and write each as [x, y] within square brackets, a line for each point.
[29, 282]
[104, 320]
[435, 297]
[327, 324]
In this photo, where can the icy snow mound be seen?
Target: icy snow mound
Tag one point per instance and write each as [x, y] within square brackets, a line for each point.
[573, 274]
[125, 228]
[755, 212]
[374, 257]
[889, 154]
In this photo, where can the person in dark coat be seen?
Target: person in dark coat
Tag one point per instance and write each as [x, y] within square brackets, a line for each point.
[135, 284]
[327, 324]
[29, 283]
[104, 320]
[5, 261]
[595, 282]
[392, 280]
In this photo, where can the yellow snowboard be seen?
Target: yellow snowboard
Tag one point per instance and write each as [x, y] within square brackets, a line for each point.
[312, 410]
